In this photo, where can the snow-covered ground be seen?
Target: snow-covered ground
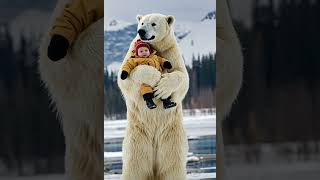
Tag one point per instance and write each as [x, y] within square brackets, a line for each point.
[194, 125]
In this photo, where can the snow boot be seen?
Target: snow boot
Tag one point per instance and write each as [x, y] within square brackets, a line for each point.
[148, 98]
[167, 103]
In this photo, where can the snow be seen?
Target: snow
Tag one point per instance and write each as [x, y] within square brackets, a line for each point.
[194, 38]
[115, 25]
[112, 154]
[118, 155]
[197, 122]
[195, 126]
[193, 158]
[114, 66]
[213, 168]
[200, 40]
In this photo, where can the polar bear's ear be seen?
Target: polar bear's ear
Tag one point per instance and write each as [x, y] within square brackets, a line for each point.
[170, 20]
[139, 17]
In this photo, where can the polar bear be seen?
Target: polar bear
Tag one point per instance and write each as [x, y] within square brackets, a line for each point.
[155, 145]
[229, 75]
[76, 86]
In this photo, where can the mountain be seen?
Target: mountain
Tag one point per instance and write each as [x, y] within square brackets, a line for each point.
[117, 42]
[201, 40]
[194, 38]
[210, 16]
[116, 25]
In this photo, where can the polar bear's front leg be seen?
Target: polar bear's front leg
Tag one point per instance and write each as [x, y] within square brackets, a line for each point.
[175, 83]
[142, 74]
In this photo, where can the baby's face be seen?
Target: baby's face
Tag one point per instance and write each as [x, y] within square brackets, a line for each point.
[143, 52]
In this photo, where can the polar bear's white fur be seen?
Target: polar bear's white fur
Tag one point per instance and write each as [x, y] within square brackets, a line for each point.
[229, 75]
[155, 145]
[76, 87]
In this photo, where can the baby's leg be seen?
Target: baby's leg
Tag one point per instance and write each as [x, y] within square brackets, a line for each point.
[146, 90]
[147, 93]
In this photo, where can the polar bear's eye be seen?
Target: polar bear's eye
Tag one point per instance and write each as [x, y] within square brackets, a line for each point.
[153, 24]
[142, 23]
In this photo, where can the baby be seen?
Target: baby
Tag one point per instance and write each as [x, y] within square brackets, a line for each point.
[76, 17]
[145, 55]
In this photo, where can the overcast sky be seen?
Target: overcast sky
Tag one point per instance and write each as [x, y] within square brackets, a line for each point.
[183, 10]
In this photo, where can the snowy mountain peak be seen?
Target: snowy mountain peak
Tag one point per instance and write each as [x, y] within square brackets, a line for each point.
[116, 25]
[113, 23]
[210, 16]
[194, 38]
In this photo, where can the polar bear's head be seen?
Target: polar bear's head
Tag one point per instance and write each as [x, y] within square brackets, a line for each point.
[154, 27]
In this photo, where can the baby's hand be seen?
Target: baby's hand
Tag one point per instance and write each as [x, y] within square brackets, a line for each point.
[167, 65]
[124, 75]
[58, 47]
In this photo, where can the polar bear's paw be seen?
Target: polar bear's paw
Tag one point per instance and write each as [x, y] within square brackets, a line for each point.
[168, 84]
[144, 74]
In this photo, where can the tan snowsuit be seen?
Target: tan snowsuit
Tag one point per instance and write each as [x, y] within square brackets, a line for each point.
[153, 60]
[76, 17]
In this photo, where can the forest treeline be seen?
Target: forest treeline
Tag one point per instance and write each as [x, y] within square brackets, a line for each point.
[31, 138]
[201, 92]
[280, 96]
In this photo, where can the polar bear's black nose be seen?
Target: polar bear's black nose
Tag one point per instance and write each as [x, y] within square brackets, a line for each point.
[141, 32]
